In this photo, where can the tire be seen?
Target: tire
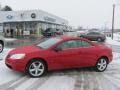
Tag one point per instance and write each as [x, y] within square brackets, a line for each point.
[36, 68]
[1, 47]
[101, 65]
[99, 39]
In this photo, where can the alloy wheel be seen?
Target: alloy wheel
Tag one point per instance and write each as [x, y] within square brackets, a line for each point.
[101, 65]
[36, 69]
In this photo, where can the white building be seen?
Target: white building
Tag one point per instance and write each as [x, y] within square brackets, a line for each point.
[29, 22]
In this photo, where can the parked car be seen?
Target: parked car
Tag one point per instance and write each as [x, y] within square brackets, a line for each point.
[94, 36]
[59, 53]
[1, 43]
[52, 32]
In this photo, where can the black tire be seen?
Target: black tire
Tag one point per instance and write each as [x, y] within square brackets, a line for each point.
[101, 64]
[30, 67]
[1, 47]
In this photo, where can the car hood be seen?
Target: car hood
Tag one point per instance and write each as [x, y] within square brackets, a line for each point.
[26, 49]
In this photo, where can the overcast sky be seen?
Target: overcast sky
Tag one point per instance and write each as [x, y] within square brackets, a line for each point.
[86, 13]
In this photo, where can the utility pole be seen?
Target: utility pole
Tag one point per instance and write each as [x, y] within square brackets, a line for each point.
[113, 18]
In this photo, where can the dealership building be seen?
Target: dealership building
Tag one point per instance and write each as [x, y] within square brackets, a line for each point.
[29, 22]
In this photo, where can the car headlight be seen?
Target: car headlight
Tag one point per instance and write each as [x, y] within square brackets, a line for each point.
[17, 56]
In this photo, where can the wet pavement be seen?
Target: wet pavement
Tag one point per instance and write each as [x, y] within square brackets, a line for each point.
[21, 42]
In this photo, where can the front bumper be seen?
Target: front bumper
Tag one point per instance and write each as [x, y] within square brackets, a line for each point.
[17, 65]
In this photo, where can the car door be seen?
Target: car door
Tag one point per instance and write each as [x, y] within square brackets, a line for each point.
[91, 36]
[68, 57]
[88, 54]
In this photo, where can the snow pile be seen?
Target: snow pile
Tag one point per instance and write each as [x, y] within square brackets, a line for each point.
[112, 42]
[10, 39]
[116, 36]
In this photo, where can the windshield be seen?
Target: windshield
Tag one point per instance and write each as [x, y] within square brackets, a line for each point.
[48, 43]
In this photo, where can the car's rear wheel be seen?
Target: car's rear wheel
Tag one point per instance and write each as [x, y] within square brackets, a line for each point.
[36, 68]
[1, 47]
[101, 65]
[99, 39]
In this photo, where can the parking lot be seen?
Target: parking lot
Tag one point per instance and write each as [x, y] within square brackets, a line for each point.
[75, 79]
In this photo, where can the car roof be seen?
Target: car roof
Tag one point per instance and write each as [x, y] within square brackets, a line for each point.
[71, 37]
[75, 37]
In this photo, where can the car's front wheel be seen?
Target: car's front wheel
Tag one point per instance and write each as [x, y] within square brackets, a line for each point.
[36, 68]
[101, 65]
[1, 47]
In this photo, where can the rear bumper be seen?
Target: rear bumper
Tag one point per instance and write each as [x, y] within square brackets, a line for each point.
[110, 58]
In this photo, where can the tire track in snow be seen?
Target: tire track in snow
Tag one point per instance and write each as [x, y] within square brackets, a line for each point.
[104, 84]
[38, 83]
[17, 83]
[79, 82]
[5, 85]
[115, 82]
[86, 80]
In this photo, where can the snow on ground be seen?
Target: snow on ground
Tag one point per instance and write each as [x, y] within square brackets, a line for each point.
[116, 36]
[58, 83]
[112, 42]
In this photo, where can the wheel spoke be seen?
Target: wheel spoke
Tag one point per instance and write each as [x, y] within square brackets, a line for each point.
[99, 64]
[101, 67]
[36, 72]
[40, 70]
[102, 61]
[104, 65]
[34, 65]
[31, 70]
[39, 65]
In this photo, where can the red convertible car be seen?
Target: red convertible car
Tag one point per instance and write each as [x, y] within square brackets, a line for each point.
[59, 53]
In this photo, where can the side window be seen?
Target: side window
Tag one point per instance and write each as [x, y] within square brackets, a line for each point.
[91, 33]
[64, 45]
[79, 43]
[86, 44]
[68, 44]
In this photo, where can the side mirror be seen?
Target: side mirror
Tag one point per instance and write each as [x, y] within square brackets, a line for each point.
[57, 49]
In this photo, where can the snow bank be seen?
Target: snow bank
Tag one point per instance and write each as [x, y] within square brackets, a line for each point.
[112, 42]
[10, 39]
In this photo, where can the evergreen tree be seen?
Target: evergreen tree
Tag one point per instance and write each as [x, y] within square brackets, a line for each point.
[6, 8]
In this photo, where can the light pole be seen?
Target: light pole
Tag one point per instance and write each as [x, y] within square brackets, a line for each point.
[113, 18]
